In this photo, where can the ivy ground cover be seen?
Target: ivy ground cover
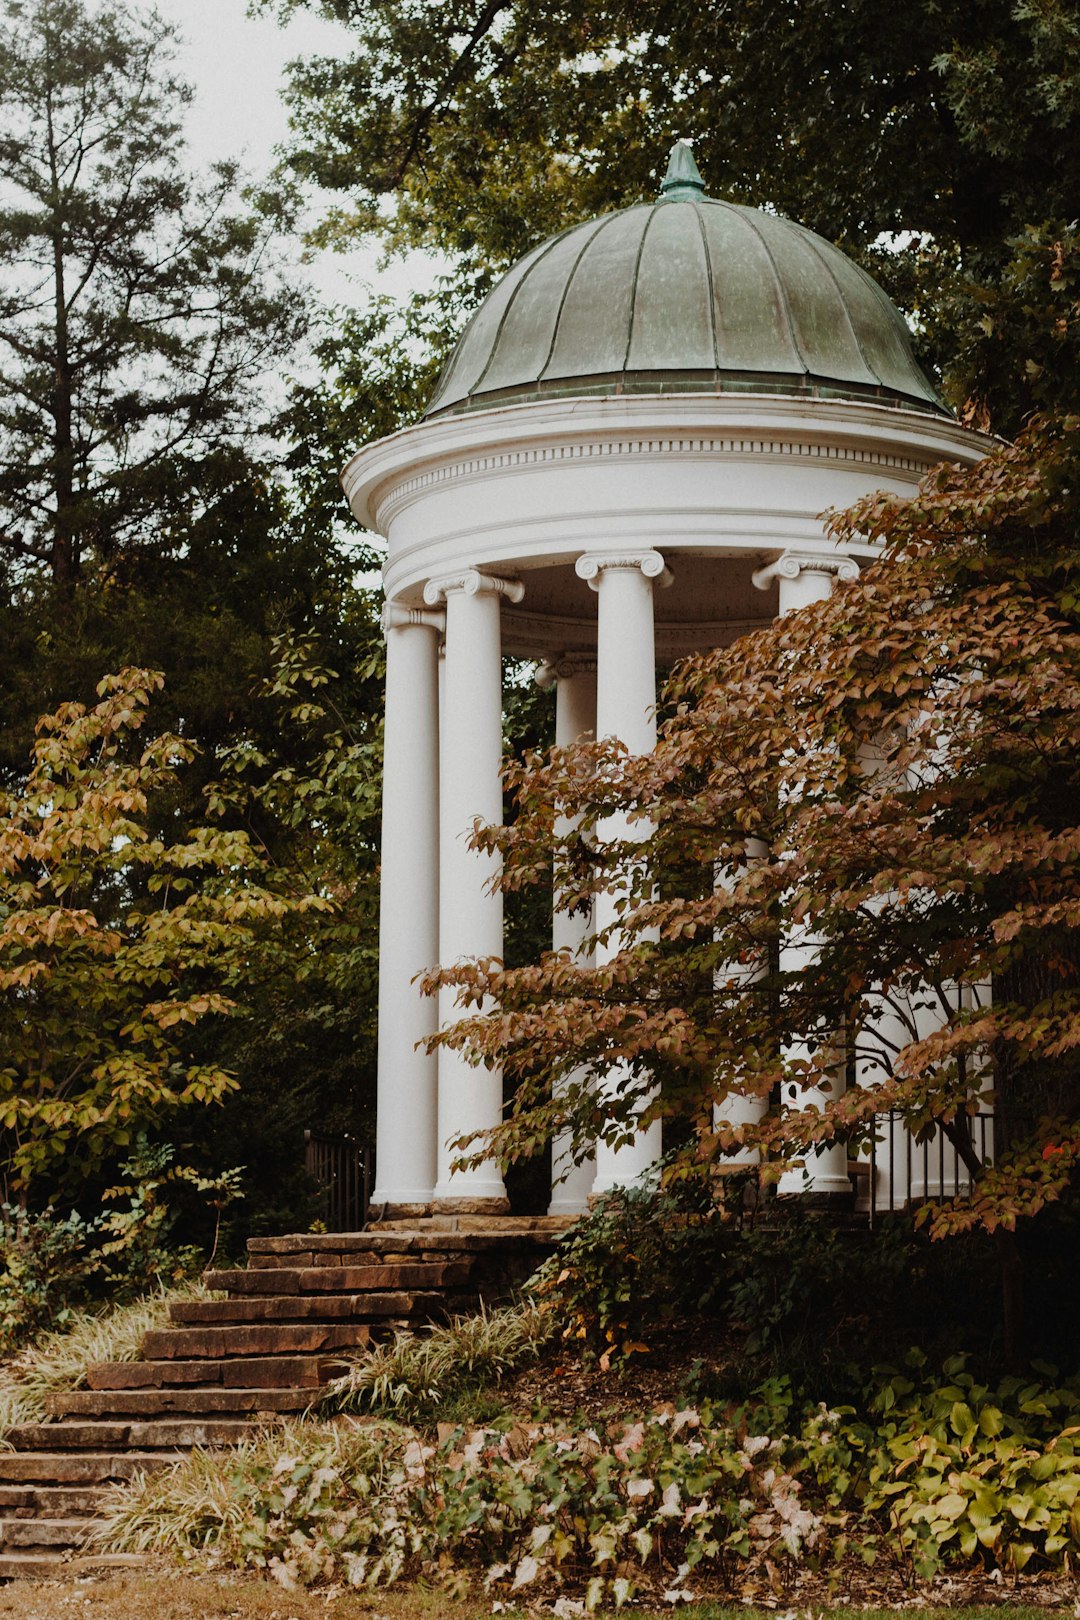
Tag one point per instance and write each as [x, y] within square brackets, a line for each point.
[684, 1502]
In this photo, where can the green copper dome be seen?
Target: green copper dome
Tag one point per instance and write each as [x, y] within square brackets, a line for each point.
[684, 295]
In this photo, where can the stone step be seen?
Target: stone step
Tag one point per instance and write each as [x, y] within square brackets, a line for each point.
[248, 1372]
[359, 1244]
[52, 1501]
[335, 1279]
[43, 1532]
[284, 1339]
[58, 1566]
[107, 1403]
[163, 1435]
[267, 1308]
[499, 1226]
[47, 1467]
[414, 1243]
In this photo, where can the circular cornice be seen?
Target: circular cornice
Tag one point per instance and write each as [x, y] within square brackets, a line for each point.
[386, 477]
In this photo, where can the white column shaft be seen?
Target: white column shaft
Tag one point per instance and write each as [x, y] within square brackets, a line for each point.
[736, 1110]
[625, 708]
[406, 1121]
[470, 907]
[825, 1170]
[575, 717]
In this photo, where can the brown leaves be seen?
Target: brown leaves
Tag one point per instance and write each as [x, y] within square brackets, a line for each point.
[890, 778]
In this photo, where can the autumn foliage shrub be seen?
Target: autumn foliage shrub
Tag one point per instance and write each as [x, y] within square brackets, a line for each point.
[925, 1474]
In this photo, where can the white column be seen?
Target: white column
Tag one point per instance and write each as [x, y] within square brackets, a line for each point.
[405, 1127]
[737, 1110]
[574, 677]
[470, 906]
[804, 579]
[625, 708]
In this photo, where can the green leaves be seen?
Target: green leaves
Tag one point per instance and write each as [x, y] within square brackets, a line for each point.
[998, 1470]
[114, 945]
[142, 312]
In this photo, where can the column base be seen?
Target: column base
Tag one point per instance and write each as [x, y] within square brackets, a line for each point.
[398, 1209]
[405, 1196]
[569, 1206]
[825, 1192]
[471, 1206]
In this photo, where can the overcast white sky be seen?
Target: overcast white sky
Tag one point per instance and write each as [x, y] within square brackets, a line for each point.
[236, 65]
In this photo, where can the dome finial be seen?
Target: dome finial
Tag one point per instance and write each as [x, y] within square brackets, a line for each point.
[683, 182]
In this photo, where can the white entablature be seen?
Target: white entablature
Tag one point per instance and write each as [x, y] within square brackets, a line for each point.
[524, 489]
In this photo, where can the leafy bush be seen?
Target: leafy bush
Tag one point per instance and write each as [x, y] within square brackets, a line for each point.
[968, 1471]
[47, 1262]
[415, 1375]
[50, 1264]
[643, 1255]
[531, 1503]
[801, 1296]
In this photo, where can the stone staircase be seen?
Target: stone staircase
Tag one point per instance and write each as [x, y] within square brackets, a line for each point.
[228, 1367]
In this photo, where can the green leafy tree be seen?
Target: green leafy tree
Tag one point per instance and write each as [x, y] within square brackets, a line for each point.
[115, 945]
[138, 310]
[490, 126]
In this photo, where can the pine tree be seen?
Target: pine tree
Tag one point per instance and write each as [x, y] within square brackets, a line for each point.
[139, 311]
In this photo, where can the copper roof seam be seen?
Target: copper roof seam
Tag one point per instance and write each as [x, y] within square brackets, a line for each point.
[909, 359]
[633, 285]
[605, 219]
[743, 214]
[809, 237]
[445, 376]
[510, 302]
[710, 284]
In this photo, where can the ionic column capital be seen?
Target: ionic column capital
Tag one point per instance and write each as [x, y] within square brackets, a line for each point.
[794, 563]
[650, 563]
[472, 582]
[564, 667]
[395, 616]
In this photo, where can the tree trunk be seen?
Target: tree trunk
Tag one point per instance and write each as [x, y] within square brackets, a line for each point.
[1011, 1272]
[1007, 1249]
[64, 562]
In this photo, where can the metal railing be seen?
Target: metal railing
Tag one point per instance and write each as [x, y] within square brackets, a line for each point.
[341, 1169]
[901, 1173]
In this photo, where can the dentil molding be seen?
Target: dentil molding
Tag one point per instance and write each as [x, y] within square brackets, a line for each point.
[721, 448]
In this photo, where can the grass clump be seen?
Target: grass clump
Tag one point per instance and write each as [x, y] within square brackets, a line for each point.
[416, 1376]
[219, 1501]
[58, 1360]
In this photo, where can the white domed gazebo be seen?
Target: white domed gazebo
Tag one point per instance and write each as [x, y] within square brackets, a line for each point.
[625, 461]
